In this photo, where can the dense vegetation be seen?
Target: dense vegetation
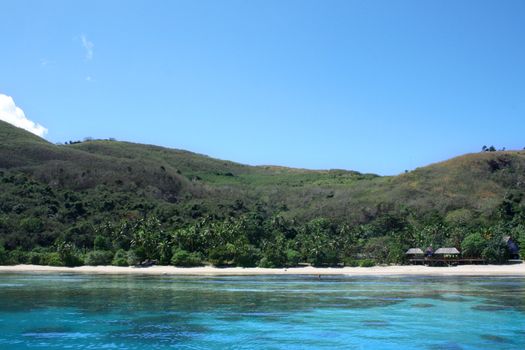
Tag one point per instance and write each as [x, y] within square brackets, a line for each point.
[109, 202]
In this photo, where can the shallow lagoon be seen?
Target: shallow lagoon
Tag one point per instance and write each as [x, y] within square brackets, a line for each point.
[261, 312]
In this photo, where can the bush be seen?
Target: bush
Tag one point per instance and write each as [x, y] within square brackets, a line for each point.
[378, 248]
[120, 258]
[52, 259]
[98, 257]
[473, 245]
[36, 258]
[519, 235]
[68, 254]
[272, 257]
[221, 256]
[496, 251]
[17, 256]
[31, 225]
[292, 257]
[101, 243]
[367, 263]
[246, 256]
[329, 259]
[73, 260]
[396, 253]
[265, 263]
[351, 262]
[3, 255]
[186, 259]
[133, 258]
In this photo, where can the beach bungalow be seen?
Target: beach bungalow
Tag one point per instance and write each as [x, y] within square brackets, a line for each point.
[446, 255]
[415, 255]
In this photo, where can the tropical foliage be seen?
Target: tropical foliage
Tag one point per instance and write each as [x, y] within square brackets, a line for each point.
[109, 202]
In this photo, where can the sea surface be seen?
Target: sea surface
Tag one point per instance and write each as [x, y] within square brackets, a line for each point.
[66, 311]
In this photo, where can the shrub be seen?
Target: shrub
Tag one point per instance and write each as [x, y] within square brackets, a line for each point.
[133, 258]
[120, 258]
[367, 263]
[519, 234]
[98, 257]
[246, 255]
[292, 257]
[396, 254]
[377, 248]
[221, 256]
[31, 225]
[52, 259]
[265, 263]
[473, 245]
[101, 243]
[73, 260]
[18, 257]
[496, 251]
[351, 262]
[328, 259]
[186, 259]
[36, 258]
[68, 254]
[3, 255]
[272, 257]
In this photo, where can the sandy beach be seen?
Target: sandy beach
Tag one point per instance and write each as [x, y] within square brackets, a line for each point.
[463, 270]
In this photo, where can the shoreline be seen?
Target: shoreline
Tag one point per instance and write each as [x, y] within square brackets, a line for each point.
[396, 270]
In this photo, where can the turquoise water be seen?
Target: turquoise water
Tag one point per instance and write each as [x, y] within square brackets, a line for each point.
[280, 312]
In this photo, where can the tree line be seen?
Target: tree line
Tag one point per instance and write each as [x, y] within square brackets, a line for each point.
[254, 239]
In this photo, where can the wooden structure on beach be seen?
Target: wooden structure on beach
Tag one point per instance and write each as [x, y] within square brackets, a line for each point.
[447, 252]
[416, 256]
[446, 256]
[415, 252]
[442, 256]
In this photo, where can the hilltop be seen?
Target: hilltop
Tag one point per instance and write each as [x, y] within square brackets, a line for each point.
[70, 190]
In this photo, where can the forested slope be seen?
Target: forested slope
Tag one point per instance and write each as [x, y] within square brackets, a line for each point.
[70, 194]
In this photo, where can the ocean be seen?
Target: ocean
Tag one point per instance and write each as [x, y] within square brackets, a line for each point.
[77, 311]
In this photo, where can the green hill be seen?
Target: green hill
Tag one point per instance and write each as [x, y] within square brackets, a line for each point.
[68, 192]
[476, 182]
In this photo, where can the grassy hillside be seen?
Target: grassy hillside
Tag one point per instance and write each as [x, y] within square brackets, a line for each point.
[476, 182]
[52, 193]
[65, 167]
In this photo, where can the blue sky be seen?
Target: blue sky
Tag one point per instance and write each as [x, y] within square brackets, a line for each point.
[373, 86]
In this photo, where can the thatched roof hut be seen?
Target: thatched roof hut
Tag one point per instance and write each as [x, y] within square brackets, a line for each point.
[414, 251]
[446, 251]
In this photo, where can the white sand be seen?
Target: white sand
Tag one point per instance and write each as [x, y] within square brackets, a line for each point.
[463, 270]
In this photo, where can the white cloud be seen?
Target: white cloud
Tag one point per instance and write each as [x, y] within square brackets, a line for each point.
[88, 46]
[12, 114]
